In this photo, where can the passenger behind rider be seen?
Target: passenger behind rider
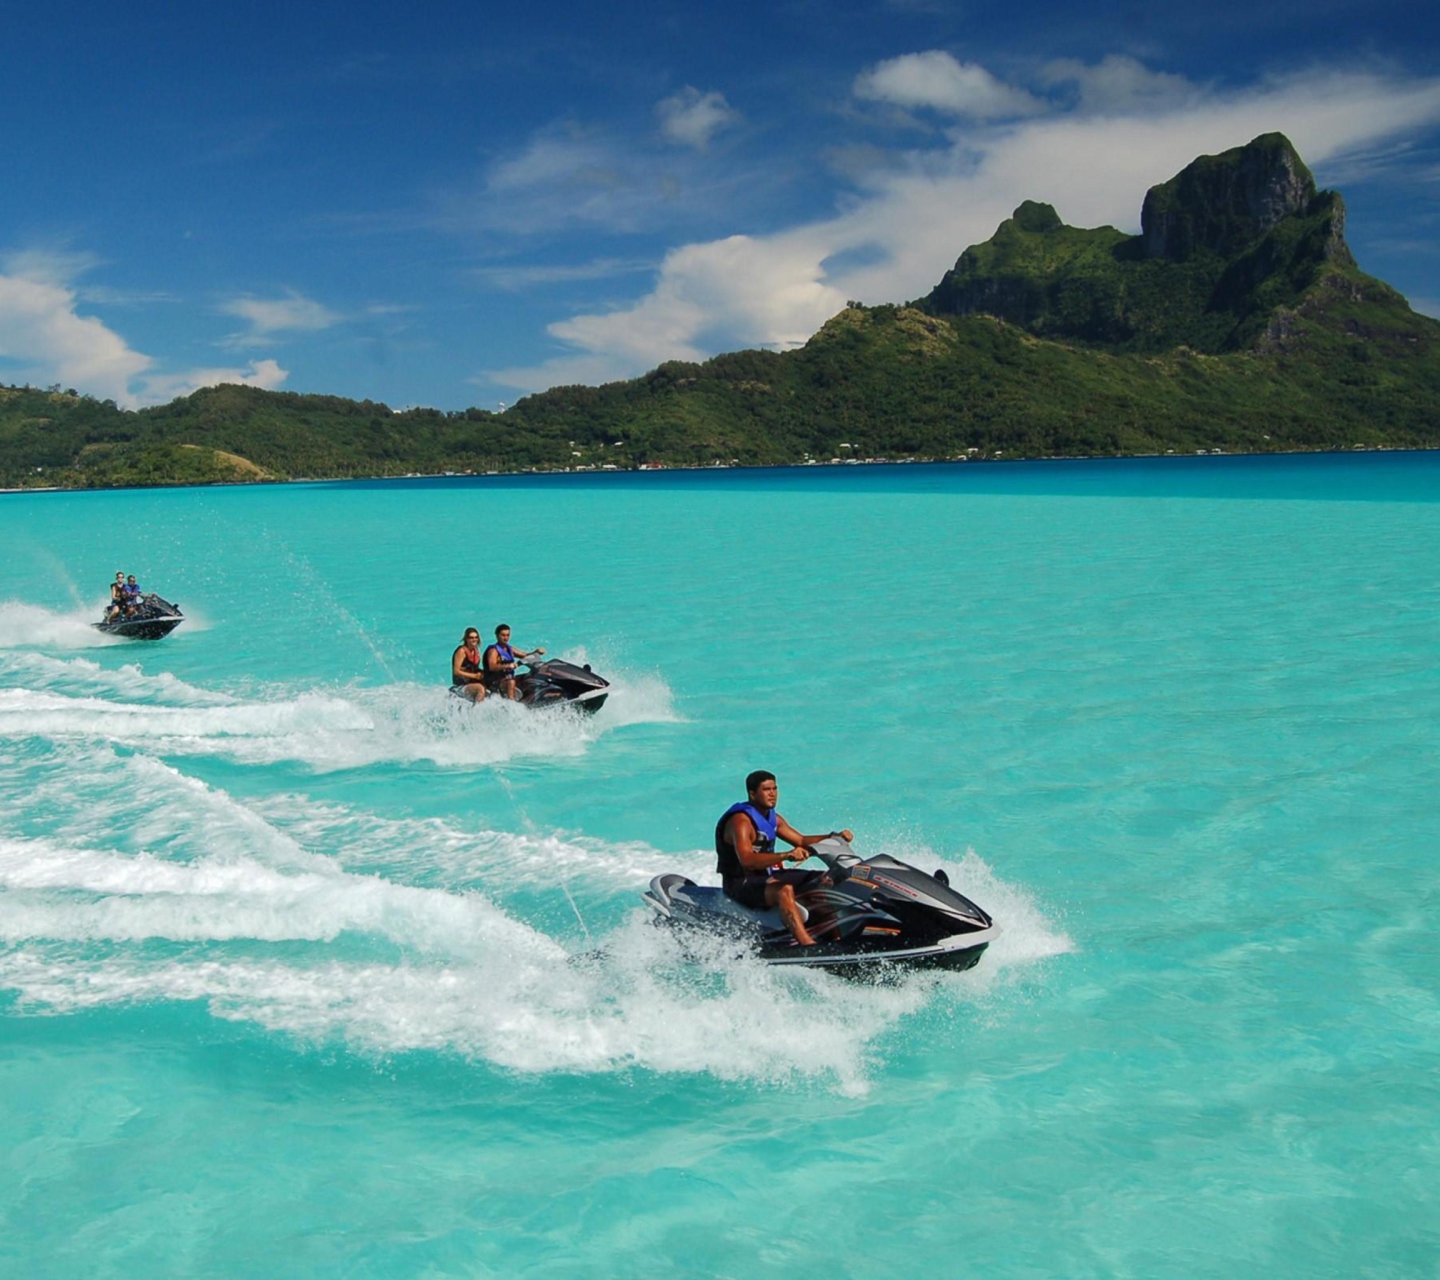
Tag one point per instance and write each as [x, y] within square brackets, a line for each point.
[500, 663]
[751, 869]
[467, 669]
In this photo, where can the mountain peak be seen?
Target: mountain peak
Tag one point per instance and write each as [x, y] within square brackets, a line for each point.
[1225, 202]
[1032, 215]
[1225, 241]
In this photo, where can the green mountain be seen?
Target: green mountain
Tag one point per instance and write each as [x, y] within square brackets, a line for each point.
[1225, 243]
[1237, 320]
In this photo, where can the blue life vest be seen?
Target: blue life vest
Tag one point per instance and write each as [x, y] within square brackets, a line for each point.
[495, 676]
[727, 861]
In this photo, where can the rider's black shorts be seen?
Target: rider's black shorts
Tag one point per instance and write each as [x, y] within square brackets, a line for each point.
[749, 891]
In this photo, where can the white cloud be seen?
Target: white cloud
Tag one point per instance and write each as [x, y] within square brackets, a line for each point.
[64, 267]
[519, 278]
[48, 341]
[895, 240]
[568, 175]
[159, 388]
[708, 297]
[692, 118]
[563, 176]
[562, 371]
[41, 332]
[50, 266]
[100, 295]
[269, 316]
[1426, 306]
[551, 159]
[1119, 83]
[936, 81]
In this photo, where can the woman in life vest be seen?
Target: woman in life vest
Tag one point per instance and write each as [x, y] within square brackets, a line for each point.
[501, 661]
[117, 596]
[467, 670]
[751, 870]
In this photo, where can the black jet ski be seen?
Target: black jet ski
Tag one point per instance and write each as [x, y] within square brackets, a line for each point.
[149, 618]
[879, 912]
[554, 683]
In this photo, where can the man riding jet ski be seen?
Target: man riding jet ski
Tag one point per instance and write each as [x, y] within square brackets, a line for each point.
[752, 873]
[858, 915]
[501, 662]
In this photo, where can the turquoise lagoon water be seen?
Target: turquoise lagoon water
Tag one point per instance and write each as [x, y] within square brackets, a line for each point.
[304, 973]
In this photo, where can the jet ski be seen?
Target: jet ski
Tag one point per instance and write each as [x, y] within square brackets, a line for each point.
[149, 618]
[555, 683]
[879, 913]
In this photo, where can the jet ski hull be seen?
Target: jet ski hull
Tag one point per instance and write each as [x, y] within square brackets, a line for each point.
[147, 629]
[877, 916]
[557, 684]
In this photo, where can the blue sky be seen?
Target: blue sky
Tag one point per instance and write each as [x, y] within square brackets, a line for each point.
[456, 205]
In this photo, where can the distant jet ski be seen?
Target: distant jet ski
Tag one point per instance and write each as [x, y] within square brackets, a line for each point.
[879, 913]
[554, 683]
[149, 618]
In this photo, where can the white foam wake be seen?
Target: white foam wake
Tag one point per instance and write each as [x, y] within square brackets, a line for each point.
[1027, 935]
[127, 882]
[30, 670]
[323, 729]
[86, 895]
[430, 969]
[29, 625]
[94, 795]
[470, 979]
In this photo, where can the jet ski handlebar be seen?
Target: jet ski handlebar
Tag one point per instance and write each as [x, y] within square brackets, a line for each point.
[835, 852]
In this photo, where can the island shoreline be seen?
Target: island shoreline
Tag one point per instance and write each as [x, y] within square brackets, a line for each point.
[693, 468]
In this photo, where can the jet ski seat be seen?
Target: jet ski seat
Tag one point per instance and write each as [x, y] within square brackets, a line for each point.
[712, 899]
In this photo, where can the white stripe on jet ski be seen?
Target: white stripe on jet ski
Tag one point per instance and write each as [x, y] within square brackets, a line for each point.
[958, 942]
